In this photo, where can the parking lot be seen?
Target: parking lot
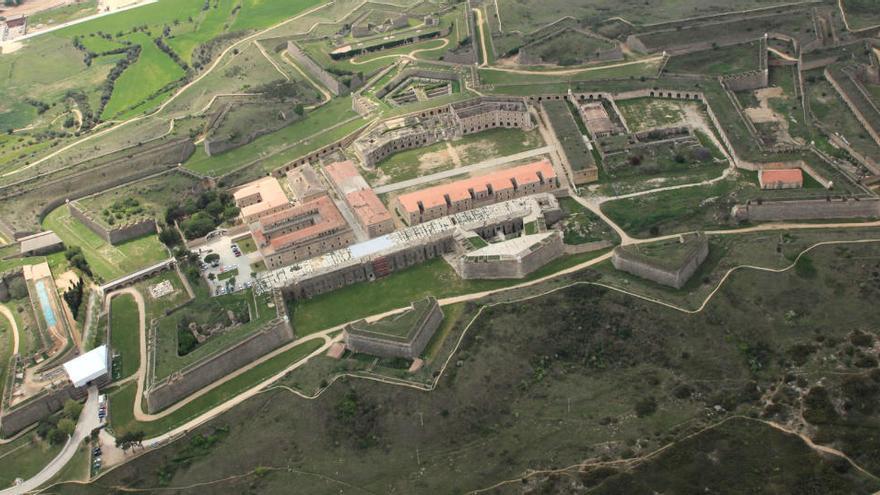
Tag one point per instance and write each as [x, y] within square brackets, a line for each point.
[232, 272]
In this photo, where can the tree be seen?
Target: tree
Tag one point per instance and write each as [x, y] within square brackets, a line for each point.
[74, 297]
[211, 258]
[66, 426]
[129, 439]
[170, 237]
[17, 288]
[56, 436]
[72, 409]
[646, 407]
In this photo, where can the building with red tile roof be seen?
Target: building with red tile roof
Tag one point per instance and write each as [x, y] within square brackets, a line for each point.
[301, 232]
[367, 207]
[260, 197]
[787, 178]
[455, 197]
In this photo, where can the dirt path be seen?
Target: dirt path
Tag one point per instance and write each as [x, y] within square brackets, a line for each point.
[9, 316]
[479, 23]
[324, 93]
[411, 55]
[263, 51]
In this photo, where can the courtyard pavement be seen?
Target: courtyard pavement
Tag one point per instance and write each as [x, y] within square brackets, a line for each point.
[222, 245]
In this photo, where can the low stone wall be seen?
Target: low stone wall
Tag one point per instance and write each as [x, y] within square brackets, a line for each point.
[115, 235]
[639, 266]
[176, 387]
[813, 209]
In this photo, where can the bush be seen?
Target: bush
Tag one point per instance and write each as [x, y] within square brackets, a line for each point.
[646, 407]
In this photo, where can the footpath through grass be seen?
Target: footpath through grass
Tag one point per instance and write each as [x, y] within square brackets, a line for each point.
[432, 278]
[24, 458]
[122, 400]
[125, 333]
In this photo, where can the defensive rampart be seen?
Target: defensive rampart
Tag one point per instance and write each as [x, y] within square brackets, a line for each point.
[327, 79]
[409, 348]
[663, 272]
[817, 209]
[505, 267]
[116, 234]
[181, 384]
[40, 407]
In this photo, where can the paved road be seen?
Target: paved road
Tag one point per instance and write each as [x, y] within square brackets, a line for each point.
[88, 421]
[495, 162]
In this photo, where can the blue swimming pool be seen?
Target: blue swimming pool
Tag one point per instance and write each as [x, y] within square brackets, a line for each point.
[44, 303]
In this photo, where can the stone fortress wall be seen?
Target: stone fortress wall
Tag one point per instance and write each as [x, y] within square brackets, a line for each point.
[672, 276]
[315, 70]
[812, 209]
[38, 408]
[452, 121]
[514, 266]
[198, 375]
[116, 234]
[420, 335]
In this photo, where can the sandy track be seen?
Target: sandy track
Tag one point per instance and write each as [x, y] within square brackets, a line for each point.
[9, 316]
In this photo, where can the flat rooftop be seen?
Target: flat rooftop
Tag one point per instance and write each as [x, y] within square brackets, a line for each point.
[90, 366]
[268, 190]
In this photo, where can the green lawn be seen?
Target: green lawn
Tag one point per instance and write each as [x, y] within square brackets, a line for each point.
[247, 245]
[24, 458]
[122, 400]
[717, 61]
[276, 149]
[637, 69]
[107, 262]
[432, 278]
[125, 333]
[153, 71]
[60, 15]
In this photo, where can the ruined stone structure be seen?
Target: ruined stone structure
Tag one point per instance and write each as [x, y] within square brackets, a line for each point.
[403, 335]
[751, 80]
[198, 375]
[383, 255]
[448, 122]
[116, 234]
[673, 270]
[316, 71]
[812, 209]
[515, 258]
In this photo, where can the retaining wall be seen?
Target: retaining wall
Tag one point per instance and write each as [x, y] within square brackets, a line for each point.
[626, 261]
[814, 209]
[316, 71]
[176, 387]
[115, 235]
[471, 268]
[377, 346]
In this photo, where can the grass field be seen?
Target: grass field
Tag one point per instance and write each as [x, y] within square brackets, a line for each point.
[152, 72]
[63, 14]
[290, 142]
[154, 195]
[642, 114]
[432, 278]
[506, 78]
[122, 399]
[717, 61]
[107, 262]
[125, 333]
[24, 458]
[585, 373]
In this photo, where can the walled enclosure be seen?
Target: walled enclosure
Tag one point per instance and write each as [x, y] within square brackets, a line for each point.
[672, 273]
[114, 235]
[814, 209]
[410, 340]
[545, 249]
[200, 374]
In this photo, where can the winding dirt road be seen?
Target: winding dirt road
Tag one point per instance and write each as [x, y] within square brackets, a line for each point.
[5, 311]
